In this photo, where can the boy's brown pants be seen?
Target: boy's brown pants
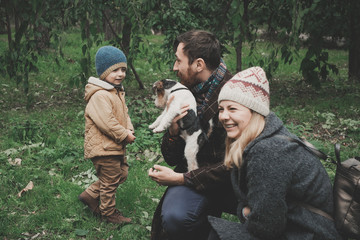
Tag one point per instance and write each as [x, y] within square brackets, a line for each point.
[111, 172]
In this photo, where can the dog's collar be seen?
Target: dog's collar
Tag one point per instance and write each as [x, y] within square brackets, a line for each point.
[177, 89]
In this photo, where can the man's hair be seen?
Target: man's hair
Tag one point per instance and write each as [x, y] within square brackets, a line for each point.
[200, 44]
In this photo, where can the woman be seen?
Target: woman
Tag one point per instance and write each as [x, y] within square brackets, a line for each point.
[271, 175]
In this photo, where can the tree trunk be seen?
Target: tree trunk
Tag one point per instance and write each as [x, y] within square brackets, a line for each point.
[42, 41]
[246, 19]
[17, 20]
[126, 35]
[238, 55]
[87, 57]
[8, 28]
[126, 32]
[354, 46]
[126, 38]
[115, 22]
[108, 34]
[243, 35]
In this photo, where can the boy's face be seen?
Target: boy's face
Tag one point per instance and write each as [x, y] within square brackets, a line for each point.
[117, 76]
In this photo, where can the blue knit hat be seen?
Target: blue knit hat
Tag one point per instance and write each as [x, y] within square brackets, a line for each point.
[107, 59]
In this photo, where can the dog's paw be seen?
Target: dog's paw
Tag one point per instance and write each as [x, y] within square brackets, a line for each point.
[192, 167]
[158, 130]
[152, 126]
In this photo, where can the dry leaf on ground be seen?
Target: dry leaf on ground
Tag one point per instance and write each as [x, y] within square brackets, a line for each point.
[28, 187]
[16, 161]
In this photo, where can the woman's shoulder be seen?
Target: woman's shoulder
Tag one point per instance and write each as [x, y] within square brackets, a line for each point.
[274, 143]
[274, 153]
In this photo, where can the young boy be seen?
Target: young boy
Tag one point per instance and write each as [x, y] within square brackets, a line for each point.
[108, 129]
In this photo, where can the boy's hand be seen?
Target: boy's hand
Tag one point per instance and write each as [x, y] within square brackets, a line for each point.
[130, 137]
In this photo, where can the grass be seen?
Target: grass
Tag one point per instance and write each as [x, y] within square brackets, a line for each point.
[48, 139]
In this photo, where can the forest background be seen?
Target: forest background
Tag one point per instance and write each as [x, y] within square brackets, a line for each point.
[309, 49]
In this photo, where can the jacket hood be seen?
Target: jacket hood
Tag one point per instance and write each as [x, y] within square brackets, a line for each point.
[94, 85]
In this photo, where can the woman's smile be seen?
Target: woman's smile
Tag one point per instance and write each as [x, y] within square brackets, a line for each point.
[234, 117]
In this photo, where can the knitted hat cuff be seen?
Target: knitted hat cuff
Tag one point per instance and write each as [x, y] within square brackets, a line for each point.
[247, 102]
[107, 59]
[112, 68]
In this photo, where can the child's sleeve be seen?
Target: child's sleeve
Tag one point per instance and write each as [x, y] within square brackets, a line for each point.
[129, 123]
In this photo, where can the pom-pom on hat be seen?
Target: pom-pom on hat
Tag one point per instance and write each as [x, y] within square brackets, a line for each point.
[249, 88]
[107, 59]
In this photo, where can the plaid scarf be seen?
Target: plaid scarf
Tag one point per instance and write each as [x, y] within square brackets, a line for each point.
[204, 91]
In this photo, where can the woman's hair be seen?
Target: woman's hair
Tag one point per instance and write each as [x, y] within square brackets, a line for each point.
[200, 44]
[235, 148]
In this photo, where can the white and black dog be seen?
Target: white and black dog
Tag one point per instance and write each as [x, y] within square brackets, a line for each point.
[190, 129]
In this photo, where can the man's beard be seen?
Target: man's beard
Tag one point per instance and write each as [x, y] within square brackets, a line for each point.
[190, 80]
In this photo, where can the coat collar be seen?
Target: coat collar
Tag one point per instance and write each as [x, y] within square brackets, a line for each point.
[100, 83]
[273, 126]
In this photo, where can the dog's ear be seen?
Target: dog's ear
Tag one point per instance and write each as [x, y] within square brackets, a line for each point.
[168, 83]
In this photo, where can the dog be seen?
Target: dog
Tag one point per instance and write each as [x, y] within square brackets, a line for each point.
[190, 129]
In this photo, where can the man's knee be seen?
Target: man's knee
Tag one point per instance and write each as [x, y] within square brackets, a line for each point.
[183, 211]
[176, 221]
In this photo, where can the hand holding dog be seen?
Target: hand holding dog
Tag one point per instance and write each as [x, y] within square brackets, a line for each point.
[165, 176]
[174, 127]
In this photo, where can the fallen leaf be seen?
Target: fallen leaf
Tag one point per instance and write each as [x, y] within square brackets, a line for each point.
[35, 236]
[28, 187]
[155, 200]
[146, 214]
[52, 172]
[26, 234]
[16, 161]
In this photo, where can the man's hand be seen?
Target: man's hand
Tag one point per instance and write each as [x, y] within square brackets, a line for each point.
[165, 176]
[174, 127]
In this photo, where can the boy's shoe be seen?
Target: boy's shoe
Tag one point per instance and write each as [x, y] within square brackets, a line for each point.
[91, 202]
[117, 218]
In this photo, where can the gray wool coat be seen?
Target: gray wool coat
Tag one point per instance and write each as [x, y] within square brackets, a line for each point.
[275, 176]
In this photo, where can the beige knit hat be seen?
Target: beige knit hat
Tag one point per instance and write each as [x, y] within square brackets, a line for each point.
[250, 88]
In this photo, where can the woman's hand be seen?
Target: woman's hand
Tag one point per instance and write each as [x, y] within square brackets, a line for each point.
[165, 176]
[174, 127]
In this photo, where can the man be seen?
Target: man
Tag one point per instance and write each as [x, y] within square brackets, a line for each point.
[192, 196]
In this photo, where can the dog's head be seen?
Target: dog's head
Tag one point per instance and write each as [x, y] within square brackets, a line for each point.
[162, 90]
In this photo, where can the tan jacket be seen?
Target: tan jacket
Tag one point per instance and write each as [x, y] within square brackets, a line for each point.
[106, 120]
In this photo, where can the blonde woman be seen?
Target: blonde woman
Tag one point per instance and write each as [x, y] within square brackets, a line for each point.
[272, 177]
